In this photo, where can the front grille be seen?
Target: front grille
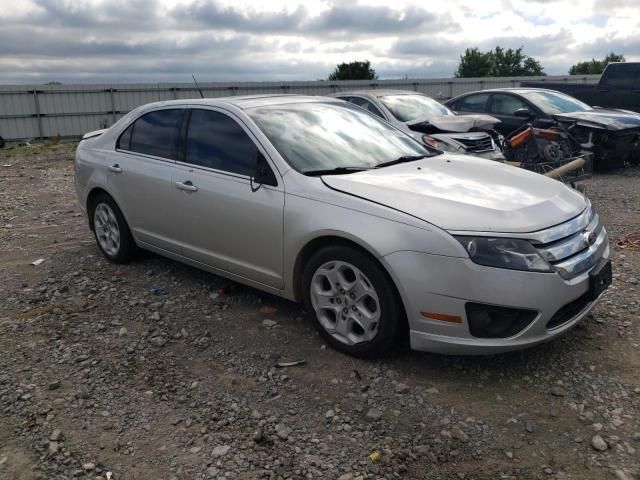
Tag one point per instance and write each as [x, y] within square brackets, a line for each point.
[569, 311]
[576, 246]
[477, 144]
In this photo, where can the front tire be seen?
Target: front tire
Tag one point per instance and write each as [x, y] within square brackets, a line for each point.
[111, 231]
[352, 300]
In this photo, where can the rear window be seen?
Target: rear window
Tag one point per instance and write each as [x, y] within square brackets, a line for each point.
[155, 133]
[621, 76]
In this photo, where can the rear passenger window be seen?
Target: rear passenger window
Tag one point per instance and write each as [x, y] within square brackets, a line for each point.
[216, 141]
[156, 133]
[473, 103]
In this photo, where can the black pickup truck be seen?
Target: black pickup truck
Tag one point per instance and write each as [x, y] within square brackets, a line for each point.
[619, 87]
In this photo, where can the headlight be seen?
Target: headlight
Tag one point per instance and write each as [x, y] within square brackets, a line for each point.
[435, 143]
[508, 253]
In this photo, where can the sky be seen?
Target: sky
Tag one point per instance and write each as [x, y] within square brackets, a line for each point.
[105, 41]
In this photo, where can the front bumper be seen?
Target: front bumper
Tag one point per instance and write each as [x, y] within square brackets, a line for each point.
[432, 283]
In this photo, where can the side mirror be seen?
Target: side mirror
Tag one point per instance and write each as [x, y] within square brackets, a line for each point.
[524, 113]
[263, 174]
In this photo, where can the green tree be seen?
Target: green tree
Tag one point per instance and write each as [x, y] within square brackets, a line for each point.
[594, 66]
[354, 71]
[497, 63]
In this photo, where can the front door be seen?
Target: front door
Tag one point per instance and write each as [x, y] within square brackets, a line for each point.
[225, 221]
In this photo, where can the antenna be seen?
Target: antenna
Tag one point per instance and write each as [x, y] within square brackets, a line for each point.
[196, 82]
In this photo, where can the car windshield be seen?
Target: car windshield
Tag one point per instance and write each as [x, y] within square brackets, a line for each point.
[552, 102]
[318, 136]
[412, 107]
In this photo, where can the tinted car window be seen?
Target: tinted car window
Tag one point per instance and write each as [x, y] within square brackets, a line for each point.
[506, 104]
[621, 76]
[215, 140]
[473, 103]
[156, 133]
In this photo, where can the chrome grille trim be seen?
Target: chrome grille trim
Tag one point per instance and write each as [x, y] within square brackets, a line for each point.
[571, 245]
[566, 229]
[583, 261]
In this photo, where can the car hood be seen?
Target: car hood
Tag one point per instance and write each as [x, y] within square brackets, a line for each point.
[608, 119]
[463, 193]
[458, 123]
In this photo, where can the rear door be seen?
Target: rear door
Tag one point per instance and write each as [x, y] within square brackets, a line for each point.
[139, 176]
[225, 220]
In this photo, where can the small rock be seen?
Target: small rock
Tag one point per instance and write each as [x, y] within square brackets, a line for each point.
[257, 435]
[458, 434]
[558, 391]
[432, 390]
[269, 323]
[282, 431]
[158, 341]
[509, 455]
[56, 435]
[122, 332]
[374, 414]
[54, 385]
[330, 414]
[220, 451]
[598, 443]
[53, 448]
[402, 388]
[87, 467]
[346, 476]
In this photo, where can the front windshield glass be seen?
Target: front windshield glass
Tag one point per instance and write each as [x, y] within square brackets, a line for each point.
[314, 136]
[412, 107]
[552, 102]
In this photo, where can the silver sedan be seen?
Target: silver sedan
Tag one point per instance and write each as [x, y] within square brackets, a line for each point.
[379, 236]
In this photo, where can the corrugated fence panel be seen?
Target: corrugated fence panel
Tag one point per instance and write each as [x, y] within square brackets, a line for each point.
[34, 111]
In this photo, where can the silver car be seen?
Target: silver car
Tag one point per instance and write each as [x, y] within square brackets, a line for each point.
[314, 200]
[430, 122]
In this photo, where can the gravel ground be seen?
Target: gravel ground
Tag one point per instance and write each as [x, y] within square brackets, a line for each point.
[156, 370]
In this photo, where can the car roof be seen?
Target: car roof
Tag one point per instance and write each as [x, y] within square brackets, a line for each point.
[511, 90]
[376, 92]
[243, 101]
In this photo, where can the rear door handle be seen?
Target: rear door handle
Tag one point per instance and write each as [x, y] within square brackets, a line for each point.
[188, 186]
[115, 168]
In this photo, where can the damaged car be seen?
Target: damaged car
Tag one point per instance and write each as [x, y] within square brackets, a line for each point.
[317, 201]
[430, 122]
[612, 135]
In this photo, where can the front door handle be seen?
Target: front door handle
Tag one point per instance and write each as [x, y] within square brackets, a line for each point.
[115, 168]
[188, 186]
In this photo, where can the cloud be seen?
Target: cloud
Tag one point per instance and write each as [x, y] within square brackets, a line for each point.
[241, 40]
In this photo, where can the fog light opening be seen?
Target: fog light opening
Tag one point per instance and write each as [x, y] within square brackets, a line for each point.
[490, 321]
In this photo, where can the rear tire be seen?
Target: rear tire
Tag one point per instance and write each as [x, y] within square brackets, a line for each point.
[111, 231]
[353, 302]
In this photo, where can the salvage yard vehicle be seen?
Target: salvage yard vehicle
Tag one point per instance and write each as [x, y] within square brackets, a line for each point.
[430, 122]
[612, 135]
[618, 87]
[315, 200]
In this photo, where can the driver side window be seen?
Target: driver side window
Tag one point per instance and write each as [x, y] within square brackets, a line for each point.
[506, 104]
[216, 141]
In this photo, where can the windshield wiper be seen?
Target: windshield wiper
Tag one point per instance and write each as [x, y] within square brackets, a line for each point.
[405, 159]
[335, 171]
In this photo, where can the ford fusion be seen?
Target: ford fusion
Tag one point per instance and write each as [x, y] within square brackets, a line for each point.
[318, 201]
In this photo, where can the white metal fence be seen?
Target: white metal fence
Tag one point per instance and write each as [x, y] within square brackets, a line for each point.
[43, 111]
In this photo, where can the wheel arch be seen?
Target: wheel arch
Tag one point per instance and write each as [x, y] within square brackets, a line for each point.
[94, 193]
[316, 244]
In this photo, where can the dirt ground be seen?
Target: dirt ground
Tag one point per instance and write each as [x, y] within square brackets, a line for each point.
[156, 370]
